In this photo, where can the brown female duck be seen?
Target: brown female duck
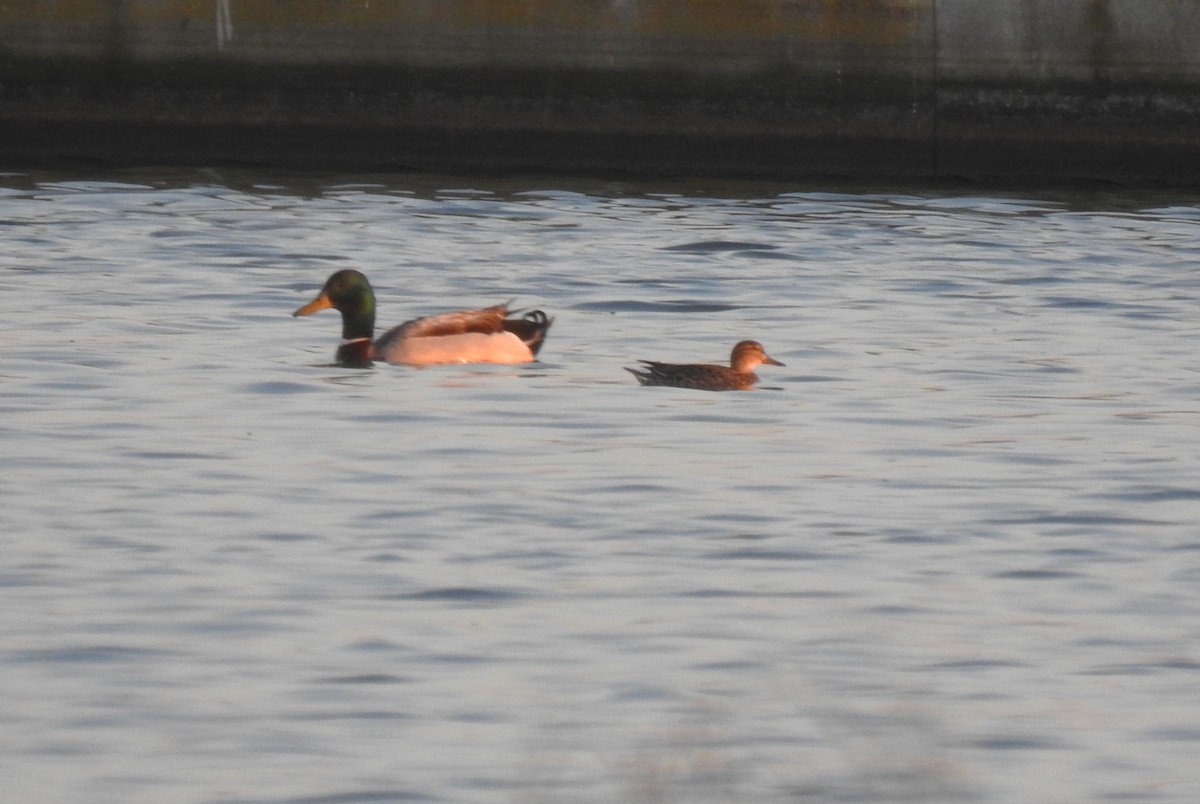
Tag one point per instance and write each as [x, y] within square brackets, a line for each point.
[737, 376]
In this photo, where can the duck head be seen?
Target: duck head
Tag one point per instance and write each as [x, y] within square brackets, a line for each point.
[348, 292]
[749, 355]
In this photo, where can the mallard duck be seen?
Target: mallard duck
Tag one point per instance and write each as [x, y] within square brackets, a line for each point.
[466, 336]
[737, 376]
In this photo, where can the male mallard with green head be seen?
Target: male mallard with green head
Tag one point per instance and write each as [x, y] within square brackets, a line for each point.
[487, 335]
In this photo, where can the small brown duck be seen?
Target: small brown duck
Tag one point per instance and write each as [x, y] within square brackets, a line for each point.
[487, 335]
[737, 376]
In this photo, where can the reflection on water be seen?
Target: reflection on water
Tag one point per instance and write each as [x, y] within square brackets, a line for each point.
[954, 557]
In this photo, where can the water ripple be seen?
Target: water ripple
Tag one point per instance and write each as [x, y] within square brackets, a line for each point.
[963, 536]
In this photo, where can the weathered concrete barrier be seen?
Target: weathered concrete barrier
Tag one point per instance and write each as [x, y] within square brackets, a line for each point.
[1032, 90]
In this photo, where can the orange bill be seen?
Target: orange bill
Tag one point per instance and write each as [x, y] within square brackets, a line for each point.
[322, 302]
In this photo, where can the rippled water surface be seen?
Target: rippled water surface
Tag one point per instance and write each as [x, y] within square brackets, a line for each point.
[950, 552]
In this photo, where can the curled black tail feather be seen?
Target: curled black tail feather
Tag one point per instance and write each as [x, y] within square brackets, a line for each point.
[531, 328]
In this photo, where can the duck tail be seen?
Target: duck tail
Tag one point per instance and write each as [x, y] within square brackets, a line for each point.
[531, 328]
[643, 377]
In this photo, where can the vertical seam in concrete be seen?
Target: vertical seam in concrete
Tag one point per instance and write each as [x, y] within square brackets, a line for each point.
[224, 24]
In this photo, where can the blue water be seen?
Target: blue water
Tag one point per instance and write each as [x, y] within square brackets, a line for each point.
[951, 552]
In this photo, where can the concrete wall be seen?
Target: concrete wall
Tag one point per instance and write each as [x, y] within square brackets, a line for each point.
[1121, 41]
[1022, 89]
